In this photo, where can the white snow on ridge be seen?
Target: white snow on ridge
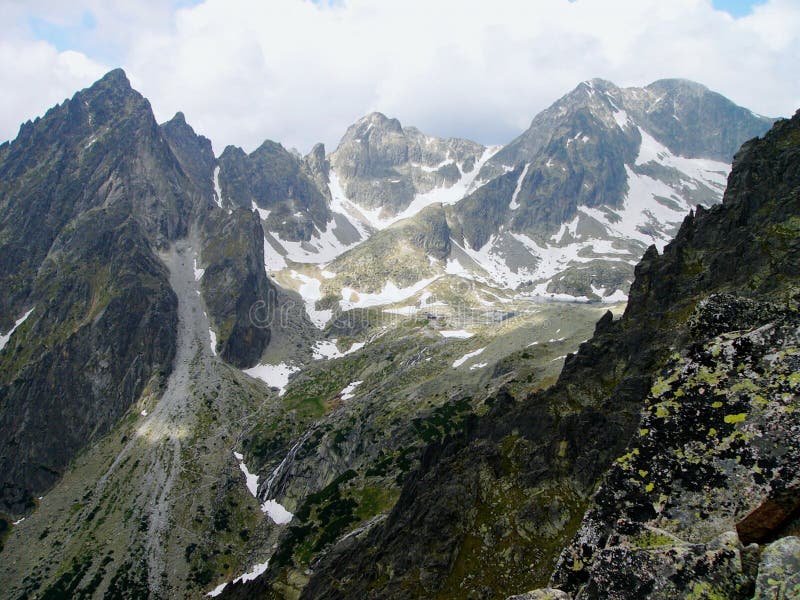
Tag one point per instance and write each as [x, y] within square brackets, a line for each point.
[434, 168]
[712, 173]
[310, 290]
[273, 261]
[642, 213]
[276, 511]
[327, 349]
[444, 195]
[4, 338]
[217, 189]
[390, 294]
[251, 480]
[458, 362]
[514, 204]
[348, 392]
[459, 334]
[254, 572]
[213, 337]
[323, 247]
[263, 213]
[273, 375]
[342, 205]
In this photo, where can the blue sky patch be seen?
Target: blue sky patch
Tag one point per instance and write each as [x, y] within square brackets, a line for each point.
[737, 8]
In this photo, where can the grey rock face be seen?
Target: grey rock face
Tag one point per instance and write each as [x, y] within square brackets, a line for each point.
[196, 158]
[319, 166]
[383, 165]
[273, 179]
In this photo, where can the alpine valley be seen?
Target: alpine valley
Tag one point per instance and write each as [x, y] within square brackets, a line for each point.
[408, 368]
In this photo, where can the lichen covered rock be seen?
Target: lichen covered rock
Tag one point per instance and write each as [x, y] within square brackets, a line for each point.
[779, 572]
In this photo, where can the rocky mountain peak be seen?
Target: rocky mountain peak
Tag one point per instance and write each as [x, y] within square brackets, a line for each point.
[380, 121]
[178, 119]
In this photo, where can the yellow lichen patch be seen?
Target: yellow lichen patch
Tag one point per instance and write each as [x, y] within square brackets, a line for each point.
[649, 487]
[625, 459]
[738, 418]
[643, 473]
[644, 432]
[716, 404]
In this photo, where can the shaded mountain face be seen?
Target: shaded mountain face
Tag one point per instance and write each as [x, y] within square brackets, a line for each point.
[657, 405]
[241, 299]
[102, 148]
[195, 155]
[281, 185]
[89, 196]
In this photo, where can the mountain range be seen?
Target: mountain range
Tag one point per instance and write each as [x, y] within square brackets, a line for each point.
[341, 373]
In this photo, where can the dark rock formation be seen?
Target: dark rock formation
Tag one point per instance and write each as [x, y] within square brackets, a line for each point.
[273, 179]
[240, 299]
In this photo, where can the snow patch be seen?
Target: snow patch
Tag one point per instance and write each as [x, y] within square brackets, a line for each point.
[514, 204]
[273, 375]
[251, 480]
[217, 189]
[621, 117]
[327, 349]
[457, 363]
[213, 337]
[254, 572]
[310, 290]
[459, 334]
[262, 212]
[347, 393]
[273, 261]
[454, 267]
[277, 512]
[4, 338]
[390, 294]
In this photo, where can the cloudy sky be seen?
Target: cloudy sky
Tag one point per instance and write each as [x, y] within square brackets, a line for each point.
[300, 71]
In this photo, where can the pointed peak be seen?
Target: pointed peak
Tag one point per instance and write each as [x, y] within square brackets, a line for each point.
[381, 121]
[178, 119]
[116, 78]
[317, 152]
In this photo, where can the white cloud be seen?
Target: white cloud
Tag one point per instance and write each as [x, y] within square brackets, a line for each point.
[300, 72]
